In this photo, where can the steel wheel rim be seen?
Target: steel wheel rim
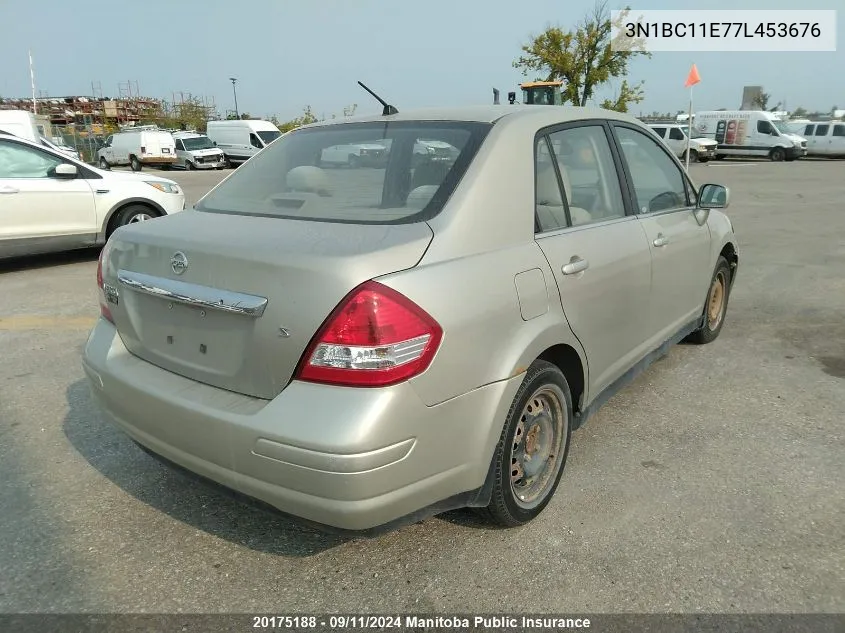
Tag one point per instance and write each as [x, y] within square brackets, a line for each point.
[537, 446]
[716, 302]
[140, 217]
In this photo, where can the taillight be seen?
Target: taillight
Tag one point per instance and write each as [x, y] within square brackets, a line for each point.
[376, 337]
[143, 149]
[104, 306]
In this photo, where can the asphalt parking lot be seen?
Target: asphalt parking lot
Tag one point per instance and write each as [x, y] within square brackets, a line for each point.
[714, 483]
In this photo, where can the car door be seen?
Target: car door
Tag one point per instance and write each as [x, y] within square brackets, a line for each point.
[38, 211]
[821, 140]
[677, 141]
[596, 249]
[678, 239]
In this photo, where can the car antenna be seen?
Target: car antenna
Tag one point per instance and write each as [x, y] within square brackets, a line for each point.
[388, 109]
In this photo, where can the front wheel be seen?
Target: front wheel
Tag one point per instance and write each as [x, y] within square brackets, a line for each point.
[189, 166]
[134, 163]
[104, 164]
[693, 156]
[133, 214]
[715, 306]
[532, 450]
[777, 155]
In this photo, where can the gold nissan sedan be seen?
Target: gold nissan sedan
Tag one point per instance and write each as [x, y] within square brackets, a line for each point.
[364, 346]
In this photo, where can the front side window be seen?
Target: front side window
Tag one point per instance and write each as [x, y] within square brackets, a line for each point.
[808, 131]
[20, 161]
[363, 173]
[658, 182]
[255, 141]
[677, 135]
[764, 127]
[660, 131]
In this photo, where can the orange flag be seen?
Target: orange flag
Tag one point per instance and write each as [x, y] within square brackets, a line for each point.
[692, 78]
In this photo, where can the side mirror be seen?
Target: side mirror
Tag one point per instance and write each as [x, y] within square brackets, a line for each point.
[713, 197]
[65, 171]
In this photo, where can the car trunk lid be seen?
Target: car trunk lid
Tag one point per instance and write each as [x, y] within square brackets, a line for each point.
[233, 301]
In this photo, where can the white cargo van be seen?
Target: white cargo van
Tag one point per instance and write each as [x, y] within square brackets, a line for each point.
[825, 138]
[35, 128]
[241, 139]
[675, 138]
[749, 133]
[138, 147]
[196, 151]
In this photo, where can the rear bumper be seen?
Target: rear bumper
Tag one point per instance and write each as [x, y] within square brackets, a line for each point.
[157, 160]
[352, 459]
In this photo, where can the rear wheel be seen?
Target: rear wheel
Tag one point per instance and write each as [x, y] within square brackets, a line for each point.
[777, 154]
[134, 163]
[532, 450]
[104, 164]
[715, 306]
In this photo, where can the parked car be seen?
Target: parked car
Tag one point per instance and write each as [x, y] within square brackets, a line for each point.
[363, 348]
[52, 202]
[749, 133]
[825, 138]
[197, 151]
[241, 139]
[355, 155]
[138, 147]
[675, 136]
[58, 143]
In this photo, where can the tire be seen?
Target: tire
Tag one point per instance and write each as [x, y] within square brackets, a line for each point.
[516, 499]
[777, 154]
[104, 164]
[693, 156]
[189, 166]
[134, 163]
[132, 214]
[715, 305]
[354, 161]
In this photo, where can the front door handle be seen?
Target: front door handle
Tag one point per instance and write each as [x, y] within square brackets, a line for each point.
[7, 189]
[661, 241]
[575, 265]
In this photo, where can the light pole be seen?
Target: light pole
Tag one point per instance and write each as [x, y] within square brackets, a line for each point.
[235, 92]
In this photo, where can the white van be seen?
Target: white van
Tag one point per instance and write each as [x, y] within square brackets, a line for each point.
[825, 138]
[675, 137]
[26, 125]
[197, 151]
[749, 133]
[138, 147]
[241, 139]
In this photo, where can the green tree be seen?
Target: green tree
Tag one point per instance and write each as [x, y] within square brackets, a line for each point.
[584, 59]
[799, 113]
[307, 117]
[761, 101]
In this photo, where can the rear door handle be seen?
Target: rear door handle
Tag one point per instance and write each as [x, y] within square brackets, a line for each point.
[7, 189]
[575, 265]
[661, 241]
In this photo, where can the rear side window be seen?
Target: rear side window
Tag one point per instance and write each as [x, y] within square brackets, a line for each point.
[581, 161]
[839, 130]
[822, 130]
[362, 173]
[660, 131]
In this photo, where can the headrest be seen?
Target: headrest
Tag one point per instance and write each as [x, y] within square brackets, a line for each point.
[309, 179]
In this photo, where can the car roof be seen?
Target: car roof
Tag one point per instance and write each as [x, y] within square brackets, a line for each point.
[541, 115]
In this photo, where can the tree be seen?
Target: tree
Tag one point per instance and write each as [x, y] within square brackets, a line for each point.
[307, 117]
[584, 59]
[761, 101]
[799, 112]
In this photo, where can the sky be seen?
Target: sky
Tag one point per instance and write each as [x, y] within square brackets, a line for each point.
[287, 54]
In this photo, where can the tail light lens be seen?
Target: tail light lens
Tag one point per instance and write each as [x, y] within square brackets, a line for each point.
[376, 337]
[104, 304]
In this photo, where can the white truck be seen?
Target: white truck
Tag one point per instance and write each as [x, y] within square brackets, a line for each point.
[35, 128]
[675, 137]
[749, 133]
[146, 145]
[241, 139]
[824, 138]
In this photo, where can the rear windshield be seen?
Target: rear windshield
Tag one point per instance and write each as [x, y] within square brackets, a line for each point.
[360, 173]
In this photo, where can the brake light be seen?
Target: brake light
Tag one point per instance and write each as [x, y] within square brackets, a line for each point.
[374, 338]
[143, 149]
[104, 307]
